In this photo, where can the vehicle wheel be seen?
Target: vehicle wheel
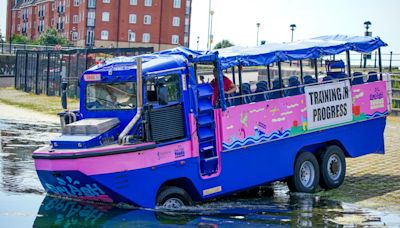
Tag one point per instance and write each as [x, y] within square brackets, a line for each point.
[306, 174]
[332, 165]
[171, 197]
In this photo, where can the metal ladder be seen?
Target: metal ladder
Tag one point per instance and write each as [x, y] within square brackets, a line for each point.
[206, 130]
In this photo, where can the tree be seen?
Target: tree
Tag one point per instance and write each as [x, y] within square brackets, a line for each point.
[51, 37]
[223, 44]
[20, 39]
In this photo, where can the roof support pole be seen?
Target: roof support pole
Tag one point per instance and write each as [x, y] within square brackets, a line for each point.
[316, 69]
[280, 78]
[380, 64]
[269, 77]
[348, 64]
[240, 84]
[301, 71]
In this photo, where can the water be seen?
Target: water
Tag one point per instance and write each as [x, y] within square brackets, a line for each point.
[25, 204]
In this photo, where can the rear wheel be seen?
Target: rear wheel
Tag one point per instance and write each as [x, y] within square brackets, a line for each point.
[306, 174]
[171, 197]
[332, 167]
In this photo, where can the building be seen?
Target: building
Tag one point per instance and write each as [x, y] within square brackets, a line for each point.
[161, 24]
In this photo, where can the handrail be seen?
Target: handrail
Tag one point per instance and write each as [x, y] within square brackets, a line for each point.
[122, 139]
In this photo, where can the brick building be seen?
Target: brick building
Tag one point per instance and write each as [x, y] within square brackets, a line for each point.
[161, 24]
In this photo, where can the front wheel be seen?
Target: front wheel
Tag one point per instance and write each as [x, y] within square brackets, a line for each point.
[306, 174]
[171, 197]
[332, 166]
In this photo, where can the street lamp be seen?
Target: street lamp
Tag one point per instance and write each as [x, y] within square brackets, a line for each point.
[258, 28]
[198, 39]
[211, 24]
[209, 20]
[292, 27]
[367, 24]
[129, 38]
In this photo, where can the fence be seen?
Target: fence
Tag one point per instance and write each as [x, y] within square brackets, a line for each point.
[395, 79]
[7, 48]
[41, 71]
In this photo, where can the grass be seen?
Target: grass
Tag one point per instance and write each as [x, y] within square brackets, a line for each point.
[40, 103]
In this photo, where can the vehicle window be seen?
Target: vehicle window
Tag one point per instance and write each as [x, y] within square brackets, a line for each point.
[163, 90]
[103, 96]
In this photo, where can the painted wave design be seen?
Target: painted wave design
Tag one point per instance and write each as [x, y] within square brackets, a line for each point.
[377, 114]
[252, 140]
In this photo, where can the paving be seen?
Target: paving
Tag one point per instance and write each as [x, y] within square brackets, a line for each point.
[374, 180]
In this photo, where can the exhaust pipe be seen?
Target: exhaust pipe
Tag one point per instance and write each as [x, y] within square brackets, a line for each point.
[122, 138]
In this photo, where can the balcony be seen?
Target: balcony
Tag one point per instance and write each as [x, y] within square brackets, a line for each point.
[90, 22]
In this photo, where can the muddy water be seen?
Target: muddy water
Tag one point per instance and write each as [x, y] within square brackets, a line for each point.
[25, 204]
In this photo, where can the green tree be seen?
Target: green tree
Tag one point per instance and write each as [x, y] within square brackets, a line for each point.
[20, 39]
[51, 37]
[223, 44]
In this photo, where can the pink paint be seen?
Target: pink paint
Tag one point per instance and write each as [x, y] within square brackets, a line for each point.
[45, 150]
[257, 122]
[119, 162]
[370, 97]
[195, 139]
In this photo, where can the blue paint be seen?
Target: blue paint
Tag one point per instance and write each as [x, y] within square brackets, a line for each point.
[241, 168]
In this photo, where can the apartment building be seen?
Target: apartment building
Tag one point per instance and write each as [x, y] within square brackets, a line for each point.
[161, 24]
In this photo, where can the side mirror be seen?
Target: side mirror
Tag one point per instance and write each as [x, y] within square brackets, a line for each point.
[64, 86]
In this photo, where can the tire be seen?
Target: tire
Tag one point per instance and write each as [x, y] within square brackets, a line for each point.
[332, 165]
[171, 197]
[306, 174]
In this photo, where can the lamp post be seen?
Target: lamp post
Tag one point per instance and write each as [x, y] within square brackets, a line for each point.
[198, 39]
[292, 27]
[129, 38]
[211, 24]
[258, 28]
[367, 25]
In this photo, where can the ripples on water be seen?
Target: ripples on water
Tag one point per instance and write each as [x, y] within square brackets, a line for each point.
[271, 205]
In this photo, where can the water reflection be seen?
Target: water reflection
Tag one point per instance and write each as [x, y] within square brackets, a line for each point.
[298, 210]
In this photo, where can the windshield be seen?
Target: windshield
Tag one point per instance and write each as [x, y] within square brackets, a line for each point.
[103, 96]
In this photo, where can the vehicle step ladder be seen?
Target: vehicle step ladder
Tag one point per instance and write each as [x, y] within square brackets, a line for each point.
[206, 130]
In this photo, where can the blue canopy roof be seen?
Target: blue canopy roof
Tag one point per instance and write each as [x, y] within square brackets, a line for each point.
[274, 52]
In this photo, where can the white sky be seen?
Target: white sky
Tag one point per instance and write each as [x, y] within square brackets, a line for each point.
[236, 20]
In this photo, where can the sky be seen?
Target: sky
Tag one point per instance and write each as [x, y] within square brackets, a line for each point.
[236, 20]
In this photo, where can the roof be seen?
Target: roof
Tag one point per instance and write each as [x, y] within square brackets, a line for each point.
[247, 56]
[304, 49]
[150, 63]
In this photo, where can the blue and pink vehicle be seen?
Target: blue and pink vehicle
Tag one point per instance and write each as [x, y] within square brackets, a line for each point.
[147, 132]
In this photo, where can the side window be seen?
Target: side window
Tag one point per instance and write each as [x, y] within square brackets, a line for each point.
[163, 90]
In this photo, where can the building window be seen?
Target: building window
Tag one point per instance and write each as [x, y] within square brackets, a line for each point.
[89, 37]
[132, 18]
[76, 2]
[177, 3]
[75, 19]
[105, 16]
[175, 39]
[74, 35]
[133, 2]
[176, 21]
[131, 36]
[92, 3]
[104, 35]
[147, 2]
[147, 19]
[146, 37]
[106, 1]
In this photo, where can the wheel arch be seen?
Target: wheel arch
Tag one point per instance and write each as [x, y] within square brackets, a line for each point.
[317, 147]
[184, 183]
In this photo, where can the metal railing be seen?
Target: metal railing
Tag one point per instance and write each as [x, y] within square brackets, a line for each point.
[42, 72]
